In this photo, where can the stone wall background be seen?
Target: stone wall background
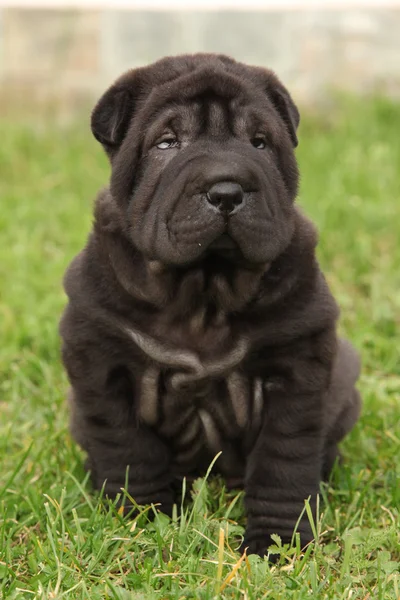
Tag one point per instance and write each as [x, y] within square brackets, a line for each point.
[72, 55]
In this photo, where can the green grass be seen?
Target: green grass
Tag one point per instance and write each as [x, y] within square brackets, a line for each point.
[57, 538]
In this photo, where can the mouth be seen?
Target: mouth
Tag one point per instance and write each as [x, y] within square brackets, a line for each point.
[224, 245]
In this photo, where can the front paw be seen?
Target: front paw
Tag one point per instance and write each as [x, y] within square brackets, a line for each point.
[137, 497]
[260, 545]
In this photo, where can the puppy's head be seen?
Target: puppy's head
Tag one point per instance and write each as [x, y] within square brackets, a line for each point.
[202, 155]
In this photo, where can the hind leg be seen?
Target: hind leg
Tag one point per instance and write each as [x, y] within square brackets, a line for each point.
[341, 428]
[332, 455]
[343, 403]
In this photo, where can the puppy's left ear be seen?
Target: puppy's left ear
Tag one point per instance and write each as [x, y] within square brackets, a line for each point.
[287, 109]
[283, 103]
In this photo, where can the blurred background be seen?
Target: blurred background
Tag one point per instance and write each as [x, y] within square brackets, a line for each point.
[67, 51]
[341, 62]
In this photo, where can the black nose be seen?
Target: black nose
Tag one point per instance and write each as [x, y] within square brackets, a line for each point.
[225, 195]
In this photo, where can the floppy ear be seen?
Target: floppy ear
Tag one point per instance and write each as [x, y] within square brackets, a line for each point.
[111, 117]
[284, 104]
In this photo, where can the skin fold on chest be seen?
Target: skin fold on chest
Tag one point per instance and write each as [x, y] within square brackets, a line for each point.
[203, 416]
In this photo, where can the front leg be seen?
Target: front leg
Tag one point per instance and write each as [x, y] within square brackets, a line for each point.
[105, 399]
[124, 453]
[285, 465]
[283, 470]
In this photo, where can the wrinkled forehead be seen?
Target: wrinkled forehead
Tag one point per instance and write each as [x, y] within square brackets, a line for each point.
[213, 100]
[206, 104]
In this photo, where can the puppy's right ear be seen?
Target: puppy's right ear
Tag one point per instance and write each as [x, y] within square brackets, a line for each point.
[111, 116]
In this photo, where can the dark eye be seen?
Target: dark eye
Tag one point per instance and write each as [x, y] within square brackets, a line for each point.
[258, 142]
[166, 143]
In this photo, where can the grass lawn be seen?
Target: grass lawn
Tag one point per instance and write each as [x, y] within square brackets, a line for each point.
[57, 538]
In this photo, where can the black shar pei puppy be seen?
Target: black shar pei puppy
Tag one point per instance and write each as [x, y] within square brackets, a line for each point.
[198, 319]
